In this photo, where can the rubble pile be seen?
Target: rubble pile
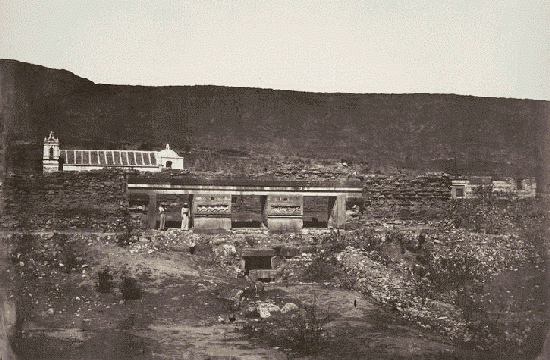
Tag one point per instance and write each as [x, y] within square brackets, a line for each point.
[394, 287]
[150, 242]
[50, 259]
[394, 282]
[294, 267]
[313, 172]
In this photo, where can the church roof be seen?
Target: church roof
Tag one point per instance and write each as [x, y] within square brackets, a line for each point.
[109, 157]
[168, 153]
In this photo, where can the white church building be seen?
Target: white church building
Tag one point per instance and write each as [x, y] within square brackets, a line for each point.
[56, 159]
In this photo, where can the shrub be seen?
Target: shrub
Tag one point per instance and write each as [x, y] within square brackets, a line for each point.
[536, 237]
[305, 329]
[24, 246]
[453, 271]
[105, 281]
[130, 288]
[251, 241]
[321, 269]
[365, 239]
[334, 243]
[405, 243]
[124, 239]
[69, 252]
[348, 279]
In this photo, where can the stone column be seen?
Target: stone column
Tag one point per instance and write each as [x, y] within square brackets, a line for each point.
[337, 212]
[263, 202]
[152, 211]
[212, 211]
[285, 212]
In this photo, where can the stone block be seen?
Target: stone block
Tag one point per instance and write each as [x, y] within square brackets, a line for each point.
[285, 224]
[212, 223]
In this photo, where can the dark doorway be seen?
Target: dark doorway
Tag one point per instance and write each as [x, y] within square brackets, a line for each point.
[246, 211]
[173, 204]
[61, 161]
[315, 211]
[257, 262]
[519, 184]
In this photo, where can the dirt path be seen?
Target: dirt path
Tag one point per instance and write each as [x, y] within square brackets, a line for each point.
[197, 341]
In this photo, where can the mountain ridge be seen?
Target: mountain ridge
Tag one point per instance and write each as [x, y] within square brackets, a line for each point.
[441, 132]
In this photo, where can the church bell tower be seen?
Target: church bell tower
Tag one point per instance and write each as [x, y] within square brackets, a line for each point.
[50, 159]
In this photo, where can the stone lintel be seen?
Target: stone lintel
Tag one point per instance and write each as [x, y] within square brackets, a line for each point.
[257, 252]
[247, 190]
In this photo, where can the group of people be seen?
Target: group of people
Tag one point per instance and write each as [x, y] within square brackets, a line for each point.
[184, 222]
[184, 217]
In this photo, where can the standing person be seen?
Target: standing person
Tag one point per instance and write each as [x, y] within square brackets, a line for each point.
[185, 217]
[162, 212]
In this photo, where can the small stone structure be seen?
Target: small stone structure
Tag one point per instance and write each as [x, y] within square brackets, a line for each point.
[258, 263]
[54, 159]
[466, 188]
[262, 263]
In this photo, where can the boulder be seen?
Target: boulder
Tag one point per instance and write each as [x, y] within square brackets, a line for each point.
[288, 307]
[265, 309]
[264, 312]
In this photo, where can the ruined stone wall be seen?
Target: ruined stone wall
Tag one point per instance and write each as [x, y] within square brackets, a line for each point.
[405, 196]
[67, 200]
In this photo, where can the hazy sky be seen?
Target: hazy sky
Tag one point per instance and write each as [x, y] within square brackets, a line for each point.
[481, 48]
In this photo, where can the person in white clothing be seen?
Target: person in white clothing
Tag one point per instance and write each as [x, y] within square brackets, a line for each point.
[162, 212]
[185, 217]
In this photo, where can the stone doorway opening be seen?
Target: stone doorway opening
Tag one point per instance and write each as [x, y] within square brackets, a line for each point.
[246, 211]
[316, 211]
[259, 264]
[173, 204]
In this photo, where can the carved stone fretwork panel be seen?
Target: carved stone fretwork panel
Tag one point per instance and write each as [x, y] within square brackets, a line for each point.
[212, 205]
[213, 209]
[285, 205]
[285, 210]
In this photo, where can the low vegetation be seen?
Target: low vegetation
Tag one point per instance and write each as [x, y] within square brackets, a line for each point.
[304, 329]
[480, 281]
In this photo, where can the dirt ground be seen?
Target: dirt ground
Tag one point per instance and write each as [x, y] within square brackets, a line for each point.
[181, 315]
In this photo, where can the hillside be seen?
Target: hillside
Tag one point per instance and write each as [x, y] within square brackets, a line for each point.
[453, 133]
